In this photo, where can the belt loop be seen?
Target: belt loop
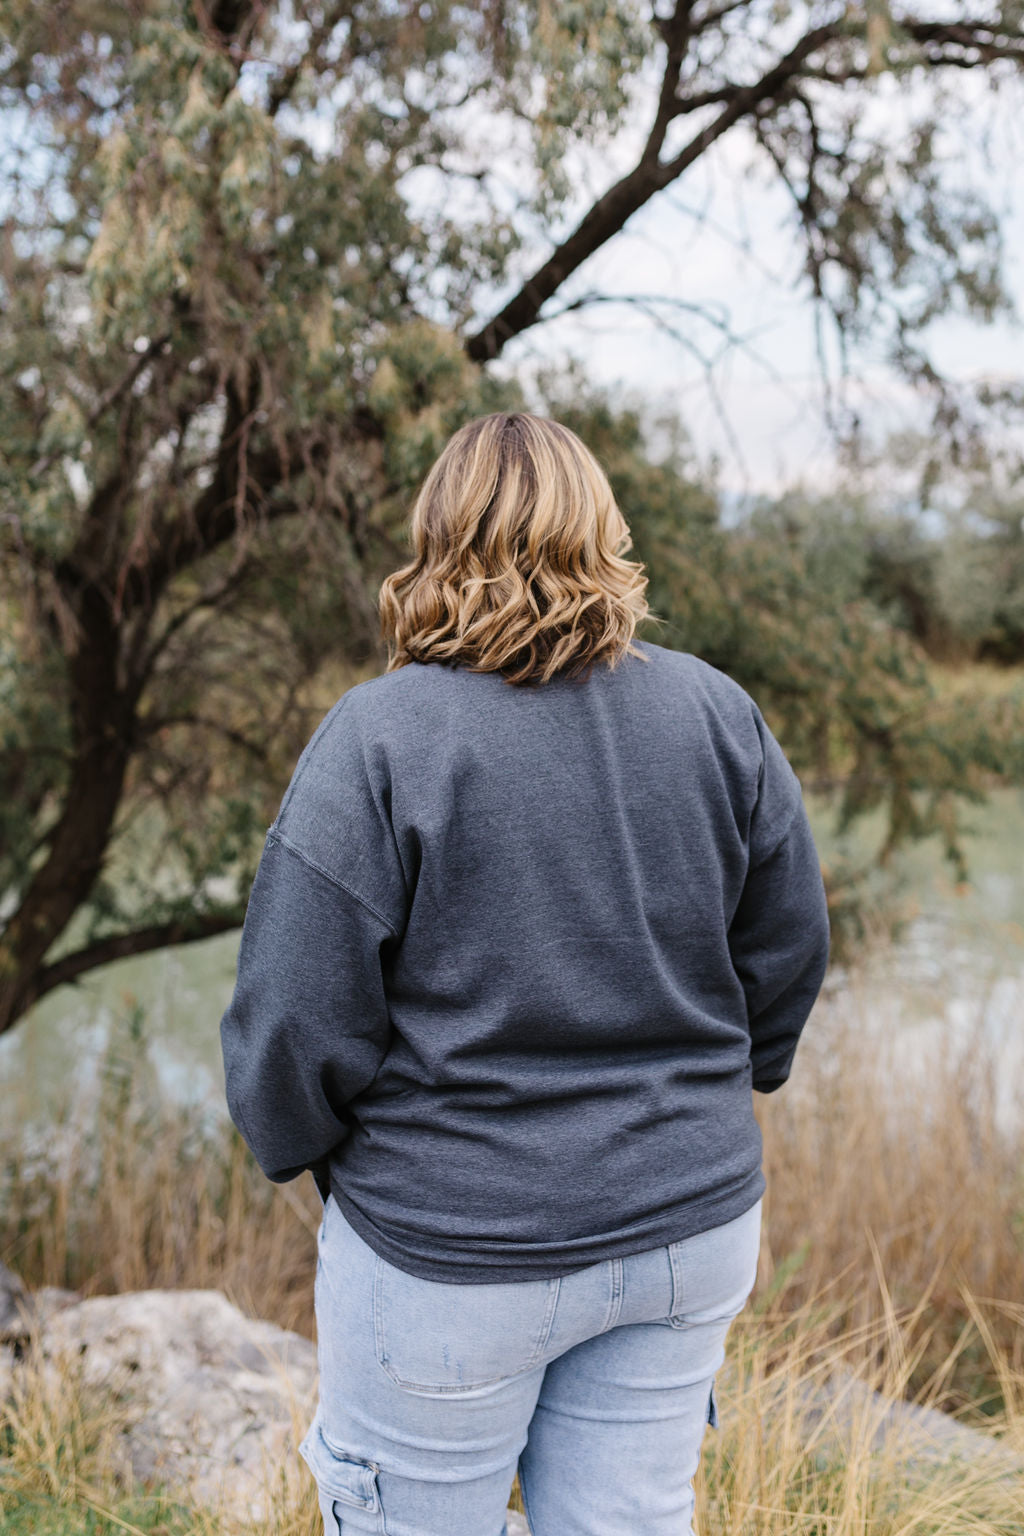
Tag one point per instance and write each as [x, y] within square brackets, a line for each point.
[675, 1259]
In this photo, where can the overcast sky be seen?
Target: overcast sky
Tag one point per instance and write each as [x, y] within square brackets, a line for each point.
[761, 413]
[767, 423]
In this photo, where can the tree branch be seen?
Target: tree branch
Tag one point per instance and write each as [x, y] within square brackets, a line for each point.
[141, 657]
[114, 392]
[962, 44]
[983, 38]
[319, 35]
[611, 211]
[153, 723]
[214, 515]
[716, 14]
[676, 34]
[117, 946]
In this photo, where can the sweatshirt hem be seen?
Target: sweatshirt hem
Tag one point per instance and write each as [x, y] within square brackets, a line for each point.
[510, 1264]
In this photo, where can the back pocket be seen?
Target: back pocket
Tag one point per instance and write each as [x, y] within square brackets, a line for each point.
[432, 1336]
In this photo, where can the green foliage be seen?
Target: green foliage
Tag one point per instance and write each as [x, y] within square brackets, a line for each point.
[33, 739]
[949, 573]
[242, 253]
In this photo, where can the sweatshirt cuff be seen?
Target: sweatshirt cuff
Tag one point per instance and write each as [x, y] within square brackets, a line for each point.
[768, 1084]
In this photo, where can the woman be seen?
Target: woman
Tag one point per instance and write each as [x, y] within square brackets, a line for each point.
[539, 909]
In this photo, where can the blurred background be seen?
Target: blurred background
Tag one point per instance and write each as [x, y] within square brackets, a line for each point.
[257, 262]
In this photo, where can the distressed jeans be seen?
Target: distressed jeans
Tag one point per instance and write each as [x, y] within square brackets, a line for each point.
[598, 1386]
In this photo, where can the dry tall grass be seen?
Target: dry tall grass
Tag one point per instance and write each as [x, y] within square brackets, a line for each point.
[772, 1469]
[896, 1183]
[775, 1470]
[124, 1192]
[893, 1192]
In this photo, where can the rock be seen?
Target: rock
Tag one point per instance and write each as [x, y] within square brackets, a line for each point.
[214, 1403]
[22, 1312]
[50, 1299]
[8, 1364]
[15, 1307]
[842, 1415]
[848, 1412]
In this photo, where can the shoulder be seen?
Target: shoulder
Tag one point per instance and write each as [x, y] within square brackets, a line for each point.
[395, 690]
[702, 679]
[735, 722]
[409, 698]
[381, 697]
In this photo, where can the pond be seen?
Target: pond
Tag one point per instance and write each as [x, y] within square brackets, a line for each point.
[956, 968]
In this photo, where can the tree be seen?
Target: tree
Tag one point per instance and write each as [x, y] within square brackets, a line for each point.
[945, 566]
[249, 267]
[780, 601]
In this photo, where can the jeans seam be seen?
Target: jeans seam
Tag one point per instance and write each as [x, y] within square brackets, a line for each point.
[525, 1498]
[548, 1322]
[615, 1294]
[378, 1314]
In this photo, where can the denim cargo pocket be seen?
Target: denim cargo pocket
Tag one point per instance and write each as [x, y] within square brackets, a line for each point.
[436, 1337]
[345, 1483]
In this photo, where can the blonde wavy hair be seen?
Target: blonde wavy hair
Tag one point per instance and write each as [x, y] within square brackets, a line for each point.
[517, 564]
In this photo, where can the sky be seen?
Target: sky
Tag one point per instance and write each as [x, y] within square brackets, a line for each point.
[762, 415]
[759, 413]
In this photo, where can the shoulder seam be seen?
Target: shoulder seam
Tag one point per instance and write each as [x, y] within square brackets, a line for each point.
[312, 864]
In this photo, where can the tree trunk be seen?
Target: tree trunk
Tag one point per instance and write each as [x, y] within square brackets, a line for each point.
[102, 731]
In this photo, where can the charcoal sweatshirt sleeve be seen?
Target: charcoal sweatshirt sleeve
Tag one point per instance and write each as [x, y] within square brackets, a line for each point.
[307, 1026]
[779, 935]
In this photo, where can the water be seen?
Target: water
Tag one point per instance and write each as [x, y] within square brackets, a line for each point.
[955, 974]
[57, 1050]
[950, 986]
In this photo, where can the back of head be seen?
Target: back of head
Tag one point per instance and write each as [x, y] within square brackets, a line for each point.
[517, 565]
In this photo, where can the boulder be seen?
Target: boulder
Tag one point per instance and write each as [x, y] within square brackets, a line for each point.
[845, 1411]
[22, 1314]
[215, 1403]
[15, 1306]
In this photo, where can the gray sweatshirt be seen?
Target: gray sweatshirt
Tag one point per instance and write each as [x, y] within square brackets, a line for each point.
[514, 958]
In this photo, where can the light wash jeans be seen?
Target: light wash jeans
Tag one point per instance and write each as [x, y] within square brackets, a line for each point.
[597, 1385]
